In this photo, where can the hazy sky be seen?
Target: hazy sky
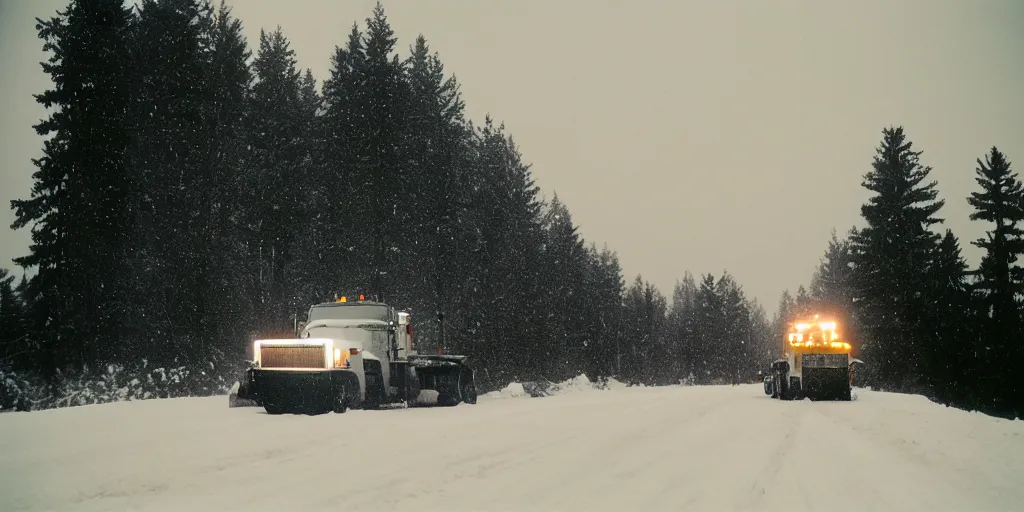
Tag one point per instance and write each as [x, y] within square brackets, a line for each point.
[687, 135]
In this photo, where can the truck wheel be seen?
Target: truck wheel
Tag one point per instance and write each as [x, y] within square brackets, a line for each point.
[785, 392]
[469, 393]
[374, 391]
[339, 404]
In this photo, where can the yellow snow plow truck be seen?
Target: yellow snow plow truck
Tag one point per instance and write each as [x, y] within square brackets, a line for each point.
[350, 354]
[816, 363]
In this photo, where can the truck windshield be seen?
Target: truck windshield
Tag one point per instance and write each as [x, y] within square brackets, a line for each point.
[348, 312]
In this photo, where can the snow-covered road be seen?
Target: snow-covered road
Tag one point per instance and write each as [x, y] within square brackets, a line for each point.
[678, 448]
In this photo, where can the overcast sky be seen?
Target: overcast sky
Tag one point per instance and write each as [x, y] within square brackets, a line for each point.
[687, 135]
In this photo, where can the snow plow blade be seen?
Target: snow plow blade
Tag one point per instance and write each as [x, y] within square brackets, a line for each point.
[241, 392]
[236, 401]
[305, 392]
[826, 384]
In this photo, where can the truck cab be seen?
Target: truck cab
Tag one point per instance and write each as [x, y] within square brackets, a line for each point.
[363, 332]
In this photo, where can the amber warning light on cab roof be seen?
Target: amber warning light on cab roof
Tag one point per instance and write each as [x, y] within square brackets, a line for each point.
[816, 334]
[345, 299]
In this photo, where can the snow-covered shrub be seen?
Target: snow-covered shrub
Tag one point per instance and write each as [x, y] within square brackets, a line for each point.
[20, 392]
[115, 383]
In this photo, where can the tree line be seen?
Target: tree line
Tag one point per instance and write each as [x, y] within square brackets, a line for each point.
[193, 196]
[917, 315]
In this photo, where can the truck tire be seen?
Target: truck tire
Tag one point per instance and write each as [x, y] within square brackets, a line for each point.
[374, 391]
[447, 396]
[469, 393]
[339, 404]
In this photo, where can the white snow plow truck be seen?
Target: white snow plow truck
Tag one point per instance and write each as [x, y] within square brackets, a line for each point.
[816, 363]
[356, 354]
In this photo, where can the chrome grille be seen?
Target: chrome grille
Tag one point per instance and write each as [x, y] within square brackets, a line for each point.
[292, 356]
[825, 360]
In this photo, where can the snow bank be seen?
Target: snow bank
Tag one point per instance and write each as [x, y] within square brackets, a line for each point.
[535, 389]
[513, 390]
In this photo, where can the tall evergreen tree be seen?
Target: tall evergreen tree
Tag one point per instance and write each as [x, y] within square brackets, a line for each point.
[229, 314]
[892, 255]
[14, 344]
[501, 283]
[734, 334]
[832, 283]
[277, 174]
[764, 343]
[305, 277]
[833, 288]
[331, 240]
[601, 291]
[1001, 277]
[803, 304]
[563, 306]
[784, 313]
[434, 198]
[1001, 203]
[78, 205]
[173, 181]
[708, 321]
[643, 328]
[952, 350]
[680, 327]
[386, 97]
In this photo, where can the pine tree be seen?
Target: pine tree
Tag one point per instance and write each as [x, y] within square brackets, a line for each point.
[680, 327]
[803, 304]
[952, 342]
[892, 255]
[564, 266]
[229, 284]
[305, 279]
[1001, 278]
[174, 182]
[833, 288]
[386, 96]
[79, 205]
[644, 319]
[433, 196]
[277, 174]
[501, 284]
[333, 239]
[735, 339]
[14, 345]
[784, 313]
[708, 321]
[763, 348]
[831, 284]
[1001, 202]
[604, 288]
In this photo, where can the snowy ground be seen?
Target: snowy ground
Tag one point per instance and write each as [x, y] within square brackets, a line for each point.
[679, 448]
